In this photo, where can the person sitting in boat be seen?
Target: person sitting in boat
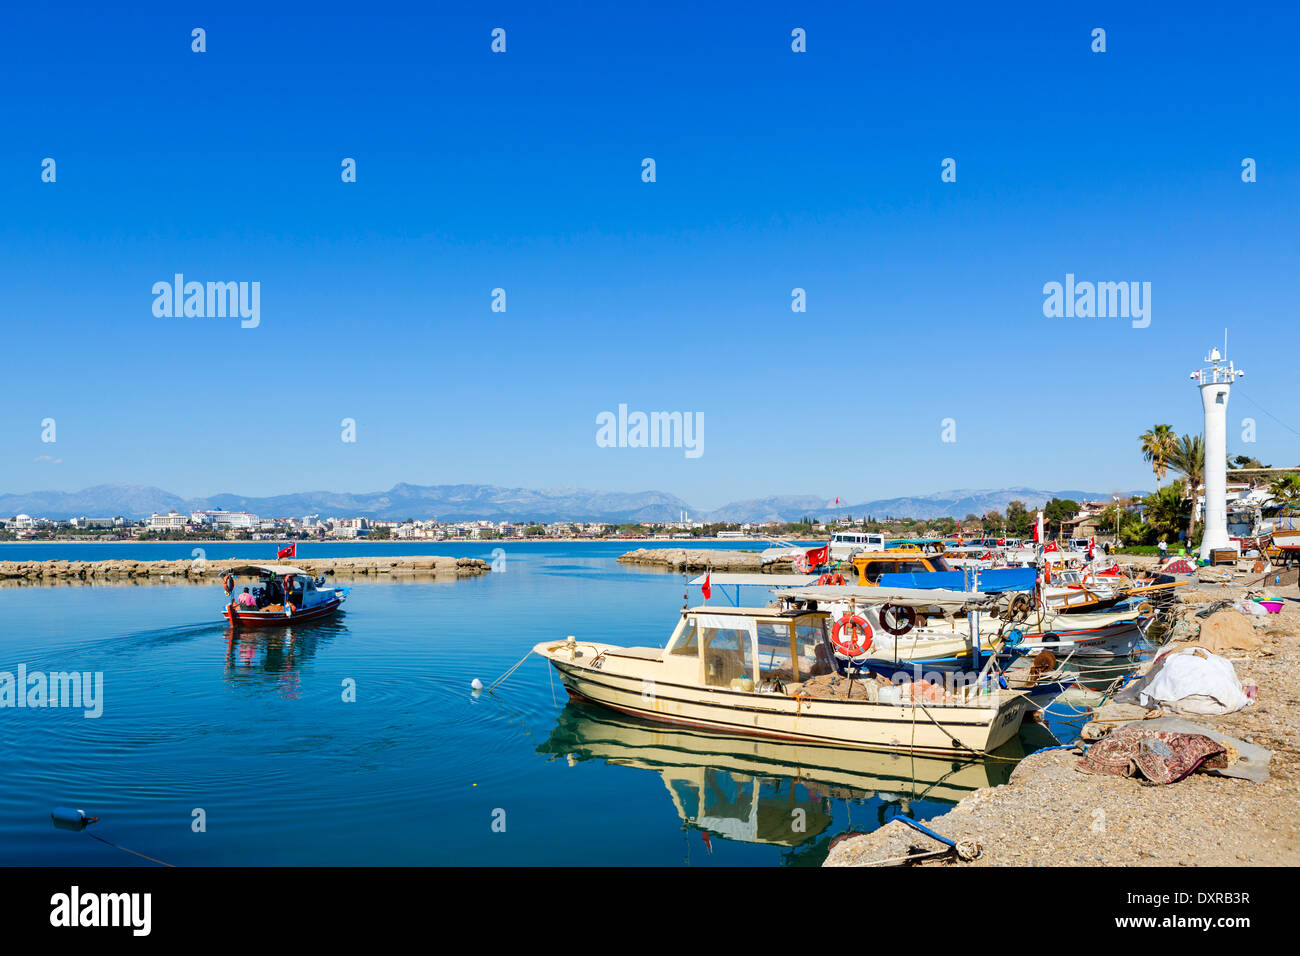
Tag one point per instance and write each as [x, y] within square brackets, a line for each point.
[247, 600]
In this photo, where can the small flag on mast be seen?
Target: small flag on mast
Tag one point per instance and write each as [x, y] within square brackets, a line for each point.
[708, 591]
[289, 552]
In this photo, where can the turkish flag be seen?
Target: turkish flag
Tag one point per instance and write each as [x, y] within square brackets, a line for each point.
[1051, 546]
[708, 591]
[289, 552]
[818, 556]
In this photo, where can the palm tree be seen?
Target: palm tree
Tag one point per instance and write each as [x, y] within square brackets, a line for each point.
[1286, 490]
[1188, 460]
[1158, 444]
[1162, 512]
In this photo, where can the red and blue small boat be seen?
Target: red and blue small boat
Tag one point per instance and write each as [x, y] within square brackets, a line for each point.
[277, 594]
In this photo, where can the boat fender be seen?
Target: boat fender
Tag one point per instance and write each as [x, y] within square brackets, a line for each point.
[848, 645]
[65, 818]
[889, 619]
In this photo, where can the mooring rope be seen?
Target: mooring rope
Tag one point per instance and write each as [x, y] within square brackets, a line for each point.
[502, 679]
[129, 850]
[963, 850]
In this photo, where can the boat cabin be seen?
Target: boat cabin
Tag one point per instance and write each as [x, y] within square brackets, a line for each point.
[271, 586]
[746, 649]
[899, 560]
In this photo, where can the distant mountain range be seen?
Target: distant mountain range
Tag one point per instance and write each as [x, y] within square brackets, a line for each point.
[493, 503]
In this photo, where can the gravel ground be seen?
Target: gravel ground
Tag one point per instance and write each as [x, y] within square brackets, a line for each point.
[1051, 814]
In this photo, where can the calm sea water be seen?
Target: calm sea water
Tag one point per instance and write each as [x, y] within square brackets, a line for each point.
[255, 733]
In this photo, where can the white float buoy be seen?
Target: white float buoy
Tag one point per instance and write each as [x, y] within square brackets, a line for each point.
[476, 684]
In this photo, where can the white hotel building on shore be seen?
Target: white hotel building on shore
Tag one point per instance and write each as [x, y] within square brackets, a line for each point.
[171, 521]
[219, 520]
[226, 520]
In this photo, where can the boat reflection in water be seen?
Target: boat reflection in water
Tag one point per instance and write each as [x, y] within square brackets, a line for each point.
[275, 655]
[755, 790]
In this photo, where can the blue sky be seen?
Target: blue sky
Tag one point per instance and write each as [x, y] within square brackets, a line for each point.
[775, 170]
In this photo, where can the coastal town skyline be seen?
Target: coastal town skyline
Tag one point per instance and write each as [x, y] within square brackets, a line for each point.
[489, 502]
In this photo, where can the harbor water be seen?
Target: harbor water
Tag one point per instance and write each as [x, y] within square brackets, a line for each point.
[359, 740]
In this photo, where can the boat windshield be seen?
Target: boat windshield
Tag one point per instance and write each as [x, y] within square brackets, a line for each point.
[728, 651]
[738, 649]
[789, 651]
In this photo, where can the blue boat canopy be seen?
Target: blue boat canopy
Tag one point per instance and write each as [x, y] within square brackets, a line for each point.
[992, 581]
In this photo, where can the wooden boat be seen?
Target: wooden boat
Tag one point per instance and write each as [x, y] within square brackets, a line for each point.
[281, 594]
[751, 670]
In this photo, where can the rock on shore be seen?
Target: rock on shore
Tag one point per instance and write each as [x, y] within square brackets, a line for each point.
[52, 572]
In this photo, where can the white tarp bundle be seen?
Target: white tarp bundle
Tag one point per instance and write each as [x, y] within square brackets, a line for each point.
[1190, 681]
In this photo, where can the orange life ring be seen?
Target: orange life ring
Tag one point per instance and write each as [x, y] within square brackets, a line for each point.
[288, 586]
[848, 646]
[228, 582]
[831, 579]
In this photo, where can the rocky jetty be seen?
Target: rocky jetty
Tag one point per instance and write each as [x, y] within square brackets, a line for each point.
[705, 559]
[202, 571]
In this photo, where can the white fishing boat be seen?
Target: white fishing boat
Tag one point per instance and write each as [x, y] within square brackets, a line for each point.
[753, 671]
[1081, 591]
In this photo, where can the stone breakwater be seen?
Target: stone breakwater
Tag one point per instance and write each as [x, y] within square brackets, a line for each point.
[705, 559]
[202, 571]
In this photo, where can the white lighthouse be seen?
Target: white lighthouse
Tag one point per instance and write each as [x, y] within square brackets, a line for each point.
[1215, 381]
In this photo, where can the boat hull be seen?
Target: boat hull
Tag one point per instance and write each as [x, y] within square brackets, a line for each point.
[975, 727]
[238, 618]
[1119, 639]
